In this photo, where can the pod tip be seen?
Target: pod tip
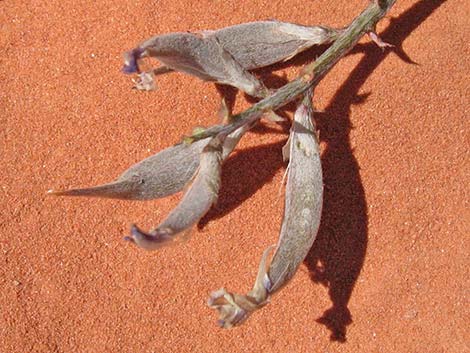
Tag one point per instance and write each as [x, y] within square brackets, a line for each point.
[56, 192]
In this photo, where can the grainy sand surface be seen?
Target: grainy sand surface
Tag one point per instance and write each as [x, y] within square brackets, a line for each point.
[389, 270]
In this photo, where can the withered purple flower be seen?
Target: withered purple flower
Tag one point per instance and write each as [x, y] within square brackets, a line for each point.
[234, 308]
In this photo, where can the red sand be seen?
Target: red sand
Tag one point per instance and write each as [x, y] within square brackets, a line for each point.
[389, 270]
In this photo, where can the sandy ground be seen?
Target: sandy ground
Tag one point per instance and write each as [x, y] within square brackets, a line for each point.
[389, 270]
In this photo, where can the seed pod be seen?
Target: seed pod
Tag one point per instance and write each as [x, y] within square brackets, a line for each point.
[225, 55]
[200, 55]
[259, 44]
[302, 213]
[160, 175]
[304, 198]
[198, 199]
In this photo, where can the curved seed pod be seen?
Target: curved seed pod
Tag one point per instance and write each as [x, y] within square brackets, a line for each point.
[198, 199]
[160, 175]
[225, 55]
[157, 176]
[304, 198]
[200, 55]
[302, 213]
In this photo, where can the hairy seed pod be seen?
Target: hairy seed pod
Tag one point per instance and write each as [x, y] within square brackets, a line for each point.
[199, 55]
[259, 44]
[198, 199]
[302, 213]
[304, 198]
[225, 55]
[157, 176]
[160, 175]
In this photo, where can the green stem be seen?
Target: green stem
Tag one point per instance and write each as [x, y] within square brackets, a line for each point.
[311, 74]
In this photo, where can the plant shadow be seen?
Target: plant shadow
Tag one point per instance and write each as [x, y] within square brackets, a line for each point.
[242, 175]
[338, 253]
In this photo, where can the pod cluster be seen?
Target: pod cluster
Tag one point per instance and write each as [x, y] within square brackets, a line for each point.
[226, 56]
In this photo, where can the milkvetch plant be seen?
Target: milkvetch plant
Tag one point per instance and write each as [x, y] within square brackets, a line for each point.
[227, 56]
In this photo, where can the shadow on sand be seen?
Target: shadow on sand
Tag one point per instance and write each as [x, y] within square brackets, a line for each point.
[338, 253]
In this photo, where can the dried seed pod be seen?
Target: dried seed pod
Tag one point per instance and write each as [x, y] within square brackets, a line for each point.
[259, 44]
[200, 196]
[225, 55]
[199, 55]
[302, 213]
[157, 176]
[234, 309]
[304, 198]
[160, 175]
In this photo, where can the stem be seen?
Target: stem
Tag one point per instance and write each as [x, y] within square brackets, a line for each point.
[312, 73]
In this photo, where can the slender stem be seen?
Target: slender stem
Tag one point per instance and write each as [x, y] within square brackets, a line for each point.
[311, 74]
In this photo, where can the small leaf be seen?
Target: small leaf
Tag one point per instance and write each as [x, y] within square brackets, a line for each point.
[198, 130]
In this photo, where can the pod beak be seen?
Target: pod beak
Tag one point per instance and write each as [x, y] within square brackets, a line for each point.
[123, 189]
